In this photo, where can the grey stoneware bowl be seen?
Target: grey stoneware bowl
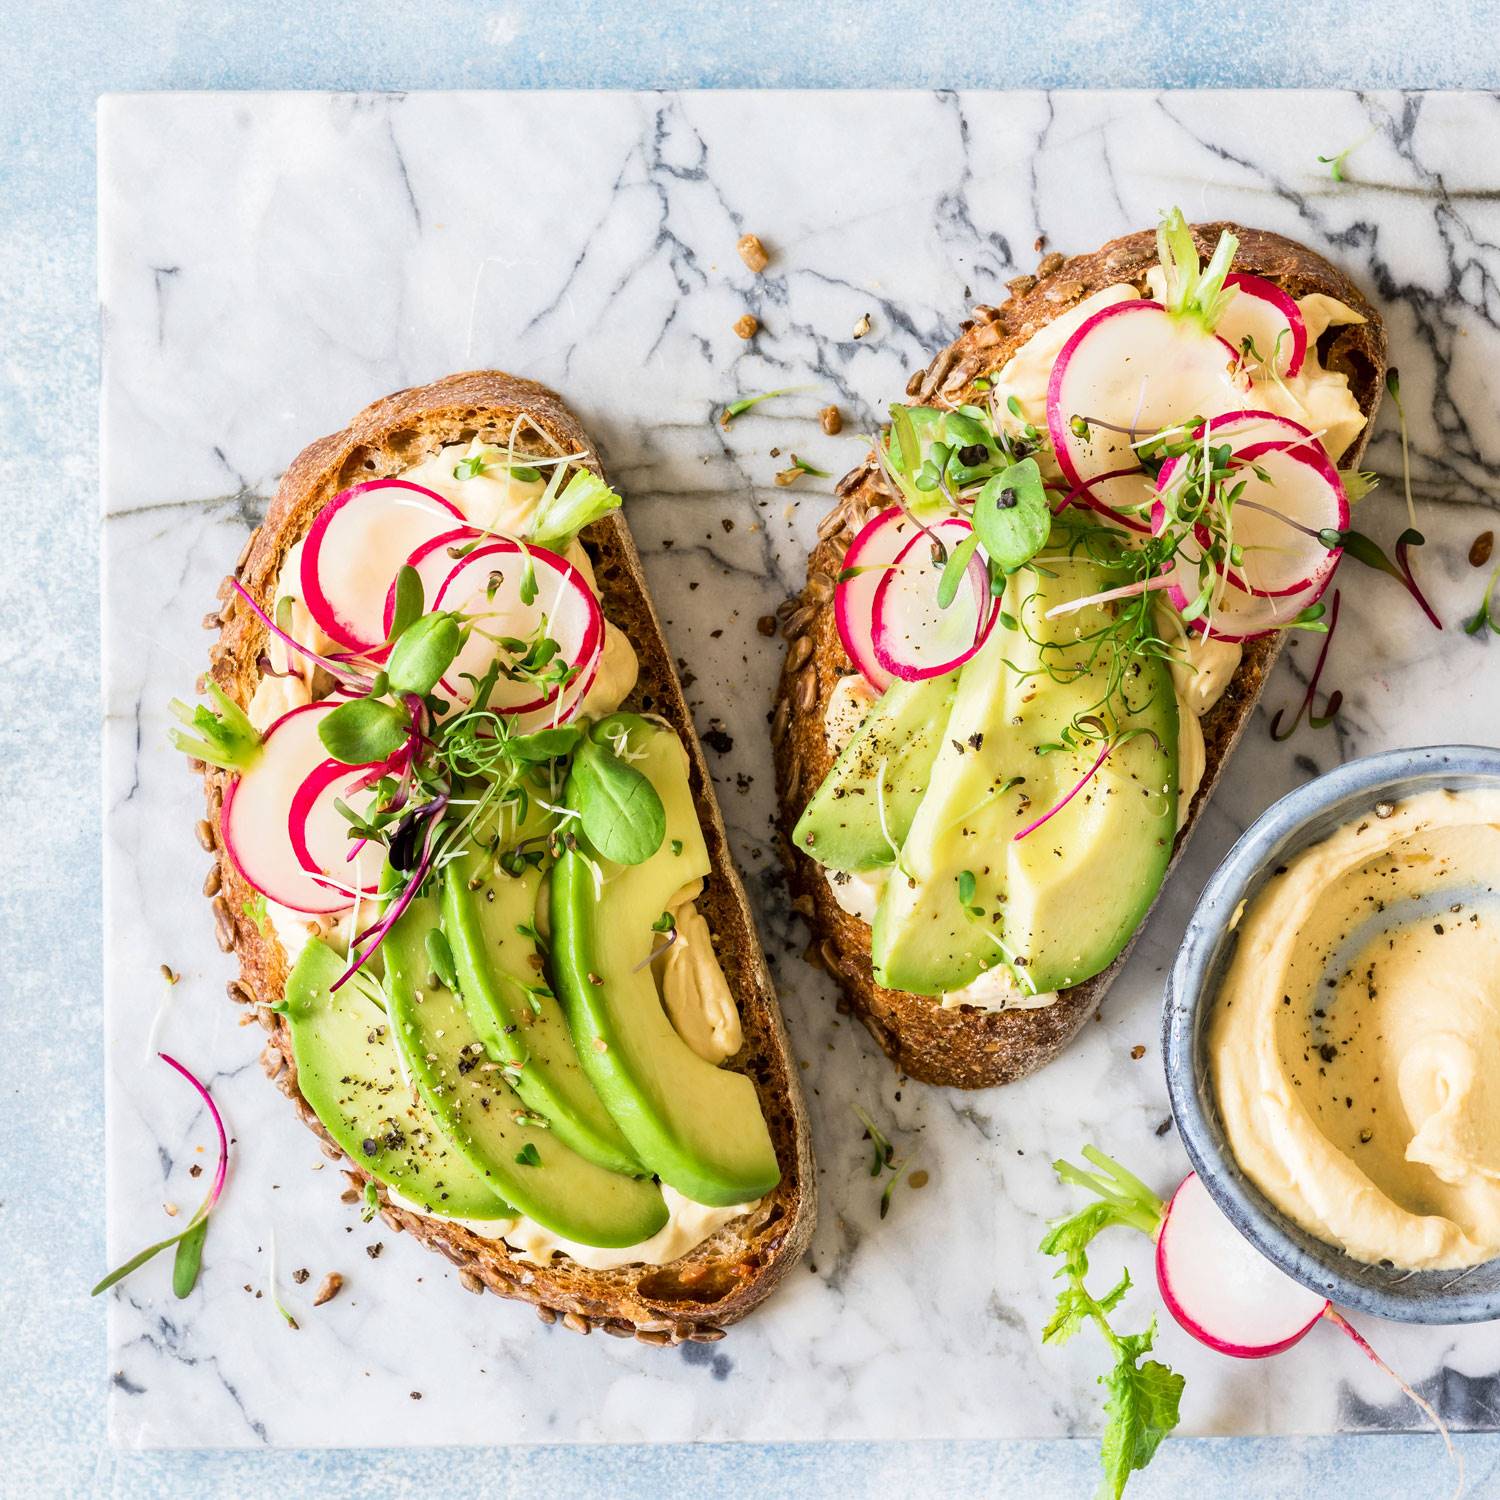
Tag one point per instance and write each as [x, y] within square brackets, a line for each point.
[1299, 819]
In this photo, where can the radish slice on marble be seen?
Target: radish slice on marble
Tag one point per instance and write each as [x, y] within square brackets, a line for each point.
[871, 554]
[433, 561]
[1264, 313]
[1220, 1288]
[1130, 371]
[355, 549]
[913, 636]
[319, 832]
[487, 587]
[257, 811]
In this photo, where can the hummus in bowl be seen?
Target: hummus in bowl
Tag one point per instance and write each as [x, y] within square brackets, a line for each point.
[1332, 1034]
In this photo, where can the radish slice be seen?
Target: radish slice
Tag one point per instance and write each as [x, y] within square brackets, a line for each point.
[257, 811]
[355, 548]
[880, 542]
[319, 832]
[1274, 518]
[1220, 1288]
[1304, 490]
[1135, 367]
[433, 561]
[914, 637]
[486, 586]
[1263, 312]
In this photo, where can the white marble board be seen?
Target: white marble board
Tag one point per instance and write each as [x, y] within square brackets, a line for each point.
[269, 263]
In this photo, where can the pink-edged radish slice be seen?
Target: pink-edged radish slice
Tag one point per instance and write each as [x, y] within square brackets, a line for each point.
[1138, 369]
[434, 561]
[913, 636]
[1304, 495]
[319, 832]
[870, 556]
[487, 587]
[1220, 1288]
[355, 548]
[1263, 313]
[257, 810]
[1278, 520]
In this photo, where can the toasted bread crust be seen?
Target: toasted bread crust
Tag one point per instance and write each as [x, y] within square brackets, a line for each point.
[699, 1295]
[966, 1047]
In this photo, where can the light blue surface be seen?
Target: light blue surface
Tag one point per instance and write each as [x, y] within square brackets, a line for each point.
[56, 59]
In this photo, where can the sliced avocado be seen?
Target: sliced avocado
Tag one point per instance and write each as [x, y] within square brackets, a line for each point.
[885, 767]
[348, 1071]
[1061, 902]
[485, 1118]
[489, 920]
[698, 1127]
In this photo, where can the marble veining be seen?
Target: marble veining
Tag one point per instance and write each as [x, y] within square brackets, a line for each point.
[269, 263]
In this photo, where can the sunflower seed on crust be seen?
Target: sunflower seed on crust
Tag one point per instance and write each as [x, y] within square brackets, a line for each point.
[470, 1282]
[801, 651]
[819, 589]
[807, 689]
[780, 721]
[577, 1322]
[213, 880]
[205, 831]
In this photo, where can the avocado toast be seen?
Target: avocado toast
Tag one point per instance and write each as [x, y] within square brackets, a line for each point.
[600, 1120]
[1013, 731]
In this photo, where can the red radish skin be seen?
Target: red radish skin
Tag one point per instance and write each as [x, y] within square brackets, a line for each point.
[1143, 333]
[1255, 426]
[1111, 494]
[563, 596]
[879, 543]
[254, 823]
[319, 832]
[1262, 310]
[1220, 1288]
[380, 523]
[908, 627]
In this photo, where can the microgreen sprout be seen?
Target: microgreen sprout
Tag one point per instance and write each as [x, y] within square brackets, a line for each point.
[189, 1239]
[1335, 163]
[224, 737]
[254, 908]
[1335, 699]
[1393, 385]
[796, 469]
[746, 403]
[1483, 616]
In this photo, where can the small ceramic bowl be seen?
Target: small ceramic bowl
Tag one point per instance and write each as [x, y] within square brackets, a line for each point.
[1301, 818]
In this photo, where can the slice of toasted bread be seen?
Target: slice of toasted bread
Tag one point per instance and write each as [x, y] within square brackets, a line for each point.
[966, 1047]
[719, 1282]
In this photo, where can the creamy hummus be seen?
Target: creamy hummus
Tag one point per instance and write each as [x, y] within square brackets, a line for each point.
[1354, 1048]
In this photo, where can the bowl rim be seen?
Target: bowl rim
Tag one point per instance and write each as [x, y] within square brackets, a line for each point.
[1272, 834]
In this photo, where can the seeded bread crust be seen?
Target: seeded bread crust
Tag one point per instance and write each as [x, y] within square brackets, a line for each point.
[695, 1297]
[967, 1047]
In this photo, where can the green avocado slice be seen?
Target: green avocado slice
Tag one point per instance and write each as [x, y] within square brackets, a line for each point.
[487, 1120]
[488, 919]
[348, 1071]
[1061, 902]
[884, 768]
[698, 1127]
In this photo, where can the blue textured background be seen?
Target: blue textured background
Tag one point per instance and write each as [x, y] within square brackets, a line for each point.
[54, 60]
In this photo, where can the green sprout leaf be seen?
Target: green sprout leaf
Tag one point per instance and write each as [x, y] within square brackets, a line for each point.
[1192, 292]
[471, 467]
[745, 403]
[363, 731]
[254, 907]
[424, 651]
[583, 500]
[1335, 164]
[371, 1205]
[1143, 1403]
[189, 1259]
[225, 738]
[619, 811]
[528, 1155]
[955, 568]
[409, 605]
[1012, 516]
[1482, 615]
